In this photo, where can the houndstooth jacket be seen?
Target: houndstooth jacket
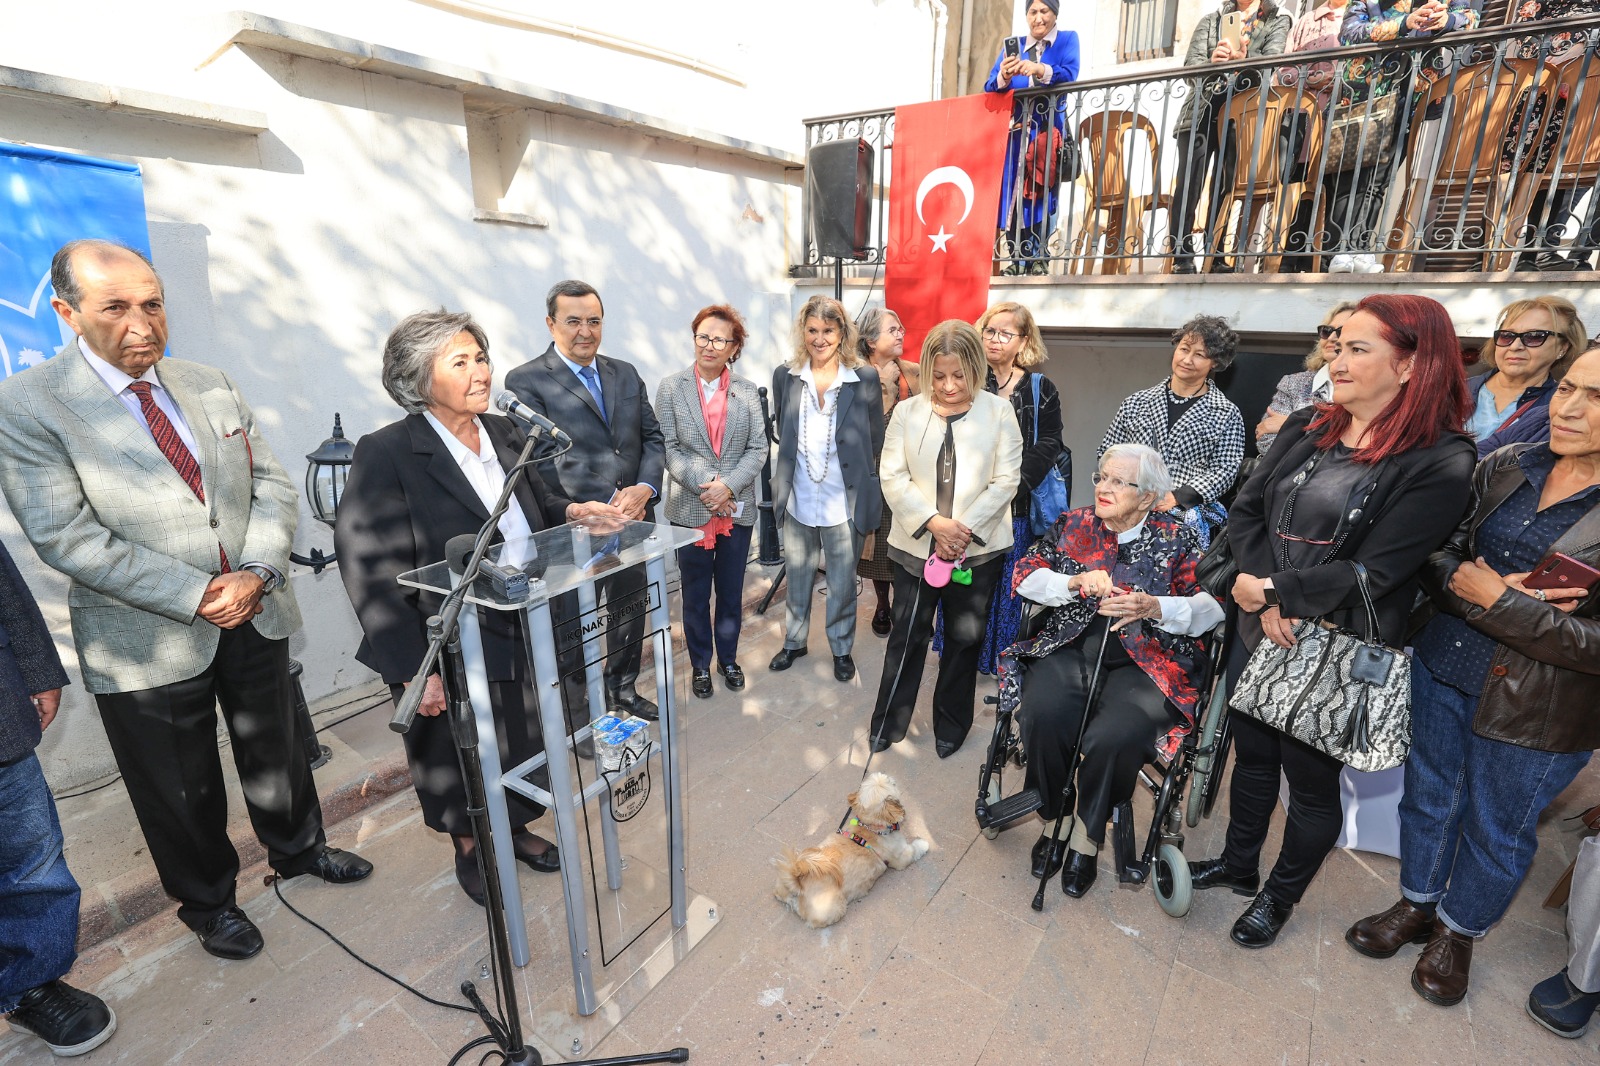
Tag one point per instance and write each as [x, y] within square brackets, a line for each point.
[1203, 449]
[101, 503]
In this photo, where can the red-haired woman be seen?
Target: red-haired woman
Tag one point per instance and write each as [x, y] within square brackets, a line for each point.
[1379, 477]
[716, 443]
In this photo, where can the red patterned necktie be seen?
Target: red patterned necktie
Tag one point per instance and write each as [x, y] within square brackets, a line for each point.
[172, 446]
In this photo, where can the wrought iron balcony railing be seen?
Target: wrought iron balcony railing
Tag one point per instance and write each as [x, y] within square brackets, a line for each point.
[1464, 152]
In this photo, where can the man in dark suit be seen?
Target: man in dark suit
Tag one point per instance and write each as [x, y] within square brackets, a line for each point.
[38, 895]
[617, 454]
[146, 480]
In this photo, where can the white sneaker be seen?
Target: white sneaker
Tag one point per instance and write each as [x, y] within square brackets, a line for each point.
[1366, 263]
[1342, 263]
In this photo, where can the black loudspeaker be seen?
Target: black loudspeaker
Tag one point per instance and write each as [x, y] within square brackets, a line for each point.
[838, 185]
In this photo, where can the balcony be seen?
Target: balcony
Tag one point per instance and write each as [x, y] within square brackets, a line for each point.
[1466, 159]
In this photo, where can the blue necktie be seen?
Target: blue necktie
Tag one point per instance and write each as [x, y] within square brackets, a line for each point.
[591, 381]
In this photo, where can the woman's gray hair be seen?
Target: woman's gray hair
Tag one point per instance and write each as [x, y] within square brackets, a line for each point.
[413, 347]
[1152, 473]
[869, 327]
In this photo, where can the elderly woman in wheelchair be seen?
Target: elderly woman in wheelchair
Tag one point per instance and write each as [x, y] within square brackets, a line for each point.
[1124, 610]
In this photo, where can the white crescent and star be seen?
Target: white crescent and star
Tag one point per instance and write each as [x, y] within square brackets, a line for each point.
[945, 176]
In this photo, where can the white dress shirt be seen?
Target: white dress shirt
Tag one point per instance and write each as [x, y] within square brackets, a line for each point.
[1190, 616]
[118, 381]
[488, 478]
[813, 503]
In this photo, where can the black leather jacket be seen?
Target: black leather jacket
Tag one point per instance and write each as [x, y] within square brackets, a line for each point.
[1543, 688]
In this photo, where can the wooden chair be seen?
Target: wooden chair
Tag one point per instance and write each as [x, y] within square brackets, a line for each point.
[1267, 185]
[1575, 162]
[1479, 106]
[1114, 165]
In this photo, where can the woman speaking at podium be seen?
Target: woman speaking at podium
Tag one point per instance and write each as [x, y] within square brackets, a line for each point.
[414, 484]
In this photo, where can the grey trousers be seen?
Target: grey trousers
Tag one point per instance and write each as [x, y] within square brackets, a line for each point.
[804, 547]
[1583, 919]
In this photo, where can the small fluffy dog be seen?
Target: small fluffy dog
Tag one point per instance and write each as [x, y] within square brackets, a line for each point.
[818, 883]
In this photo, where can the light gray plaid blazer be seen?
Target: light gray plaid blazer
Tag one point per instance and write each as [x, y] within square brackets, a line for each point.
[690, 460]
[101, 504]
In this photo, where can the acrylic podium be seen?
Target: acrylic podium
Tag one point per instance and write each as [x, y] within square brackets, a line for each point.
[621, 832]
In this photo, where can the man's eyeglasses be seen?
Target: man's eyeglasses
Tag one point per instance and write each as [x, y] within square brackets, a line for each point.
[716, 344]
[1532, 338]
[1324, 332]
[1004, 336]
[1116, 484]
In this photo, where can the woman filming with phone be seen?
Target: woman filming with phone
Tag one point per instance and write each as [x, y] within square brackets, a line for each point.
[1504, 685]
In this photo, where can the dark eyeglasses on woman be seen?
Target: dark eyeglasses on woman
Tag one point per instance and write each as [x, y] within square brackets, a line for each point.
[1531, 338]
[716, 344]
[1324, 332]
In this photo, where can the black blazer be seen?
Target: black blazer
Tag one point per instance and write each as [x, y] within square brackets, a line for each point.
[603, 458]
[405, 499]
[29, 663]
[1420, 497]
[858, 437]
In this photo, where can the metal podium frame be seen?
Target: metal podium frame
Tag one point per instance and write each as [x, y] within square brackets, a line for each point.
[557, 561]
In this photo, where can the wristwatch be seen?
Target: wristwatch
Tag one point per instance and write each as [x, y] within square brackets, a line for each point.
[1269, 594]
[270, 579]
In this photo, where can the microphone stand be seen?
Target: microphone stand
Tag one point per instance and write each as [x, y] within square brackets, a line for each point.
[444, 652]
[769, 555]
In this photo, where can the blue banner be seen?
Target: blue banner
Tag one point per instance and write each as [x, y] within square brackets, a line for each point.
[47, 199]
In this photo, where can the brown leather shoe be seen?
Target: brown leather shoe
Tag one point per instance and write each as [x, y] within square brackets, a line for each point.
[1379, 936]
[1442, 971]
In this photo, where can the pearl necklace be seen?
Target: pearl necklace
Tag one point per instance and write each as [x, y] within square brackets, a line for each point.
[805, 435]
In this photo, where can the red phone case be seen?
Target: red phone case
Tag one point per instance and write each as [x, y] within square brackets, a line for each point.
[1561, 571]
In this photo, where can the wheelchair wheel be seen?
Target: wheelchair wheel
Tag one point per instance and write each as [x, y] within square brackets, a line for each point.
[1207, 768]
[1174, 889]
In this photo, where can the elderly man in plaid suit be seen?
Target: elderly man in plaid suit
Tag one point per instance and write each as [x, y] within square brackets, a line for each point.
[154, 492]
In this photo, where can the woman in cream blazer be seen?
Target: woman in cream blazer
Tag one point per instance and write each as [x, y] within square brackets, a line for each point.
[952, 461]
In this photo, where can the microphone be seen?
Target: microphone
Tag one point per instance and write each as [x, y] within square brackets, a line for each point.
[457, 550]
[507, 403]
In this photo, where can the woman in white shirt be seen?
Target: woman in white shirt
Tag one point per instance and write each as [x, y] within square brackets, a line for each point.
[952, 461]
[825, 492]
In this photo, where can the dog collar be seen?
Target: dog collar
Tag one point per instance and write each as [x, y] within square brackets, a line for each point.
[871, 828]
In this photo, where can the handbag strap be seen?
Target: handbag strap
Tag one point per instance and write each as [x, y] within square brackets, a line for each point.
[1034, 414]
[1365, 588]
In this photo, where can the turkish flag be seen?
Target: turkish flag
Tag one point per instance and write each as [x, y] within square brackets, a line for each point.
[944, 194]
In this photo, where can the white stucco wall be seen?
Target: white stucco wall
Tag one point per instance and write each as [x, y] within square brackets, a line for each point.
[289, 255]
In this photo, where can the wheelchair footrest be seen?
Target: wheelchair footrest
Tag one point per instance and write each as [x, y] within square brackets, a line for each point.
[1011, 809]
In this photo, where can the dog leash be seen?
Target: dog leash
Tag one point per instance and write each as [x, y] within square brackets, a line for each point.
[916, 602]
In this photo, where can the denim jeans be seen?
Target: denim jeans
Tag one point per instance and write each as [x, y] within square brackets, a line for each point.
[1469, 818]
[38, 896]
[804, 547]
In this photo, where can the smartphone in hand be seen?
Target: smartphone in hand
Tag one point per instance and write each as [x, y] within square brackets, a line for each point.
[1232, 30]
[1559, 570]
[1013, 47]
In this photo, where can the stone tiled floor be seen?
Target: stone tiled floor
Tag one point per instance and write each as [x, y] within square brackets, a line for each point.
[943, 963]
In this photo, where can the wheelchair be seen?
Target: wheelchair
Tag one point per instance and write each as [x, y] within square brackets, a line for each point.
[1184, 787]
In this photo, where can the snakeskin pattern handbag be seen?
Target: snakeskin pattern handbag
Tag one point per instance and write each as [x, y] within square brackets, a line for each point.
[1345, 695]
